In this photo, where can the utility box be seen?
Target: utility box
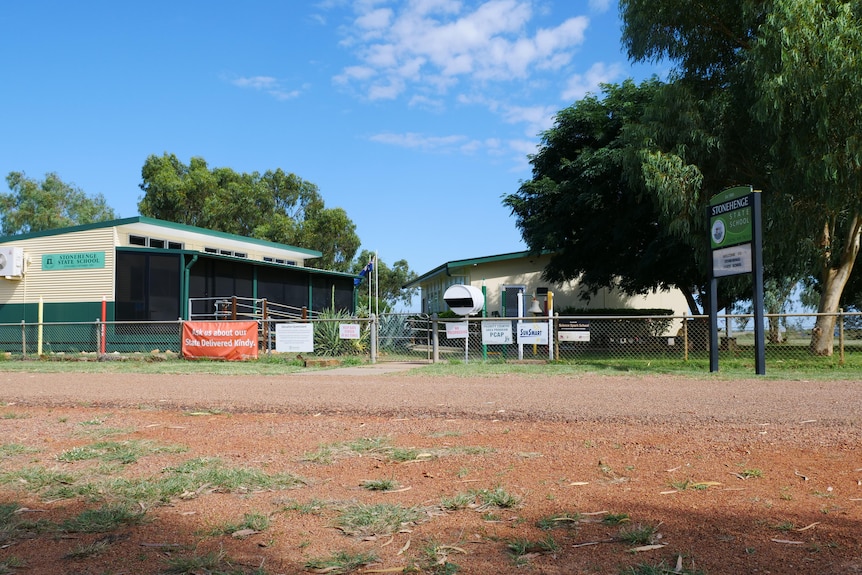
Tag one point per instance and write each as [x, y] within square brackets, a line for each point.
[464, 299]
[11, 262]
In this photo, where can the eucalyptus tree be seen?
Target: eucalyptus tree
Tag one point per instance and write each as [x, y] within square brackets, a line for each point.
[36, 205]
[781, 81]
[587, 206]
[275, 206]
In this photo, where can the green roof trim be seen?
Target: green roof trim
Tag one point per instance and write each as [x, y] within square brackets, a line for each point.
[163, 224]
[454, 264]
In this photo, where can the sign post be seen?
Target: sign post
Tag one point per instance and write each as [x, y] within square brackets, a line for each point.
[736, 247]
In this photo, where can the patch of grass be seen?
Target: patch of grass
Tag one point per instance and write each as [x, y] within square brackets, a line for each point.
[557, 521]
[195, 472]
[83, 551]
[95, 421]
[253, 521]
[402, 454]
[101, 432]
[8, 564]
[457, 501]
[616, 518]
[784, 526]
[381, 519]
[521, 550]
[13, 449]
[124, 452]
[750, 473]
[340, 562]
[102, 520]
[640, 534]
[35, 479]
[497, 497]
[14, 415]
[435, 558]
[660, 568]
[312, 507]
[212, 562]
[380, 484]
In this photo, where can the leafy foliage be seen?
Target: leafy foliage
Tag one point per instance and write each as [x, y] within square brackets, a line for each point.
[274, 206]
[581, 191]
[34, 206]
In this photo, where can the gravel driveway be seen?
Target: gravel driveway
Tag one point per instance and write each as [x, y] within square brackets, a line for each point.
[392, 389]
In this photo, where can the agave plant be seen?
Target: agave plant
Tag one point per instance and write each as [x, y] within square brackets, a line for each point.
[327, 337]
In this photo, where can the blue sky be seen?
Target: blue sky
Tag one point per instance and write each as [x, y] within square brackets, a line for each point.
[415, 116]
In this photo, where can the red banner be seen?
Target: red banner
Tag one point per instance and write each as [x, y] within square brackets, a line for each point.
[230, 340]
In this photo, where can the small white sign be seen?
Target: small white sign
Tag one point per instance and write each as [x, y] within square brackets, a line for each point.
[496, 332]
[583, 336]
[294, 337]
[731, 261]
[457, 330]
[533, 332]
[348, 330]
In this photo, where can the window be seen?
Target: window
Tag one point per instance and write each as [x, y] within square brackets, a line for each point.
[148, 286]
[137, 240]
[158, 244]
[175, 245]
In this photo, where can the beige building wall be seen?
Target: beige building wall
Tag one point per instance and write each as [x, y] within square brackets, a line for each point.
[73, 285]
[527, 272]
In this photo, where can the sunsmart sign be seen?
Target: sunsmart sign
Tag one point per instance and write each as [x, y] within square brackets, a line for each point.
[730, 231]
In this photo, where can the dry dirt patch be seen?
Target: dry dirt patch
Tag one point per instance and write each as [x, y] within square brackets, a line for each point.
[747, 490]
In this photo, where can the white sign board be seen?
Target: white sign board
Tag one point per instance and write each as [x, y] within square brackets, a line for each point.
[533, 332]
[294, 337]
[457, 330]
[496, 332]
[573, 330]
[731, 261]
[583, 336]
[348, 330]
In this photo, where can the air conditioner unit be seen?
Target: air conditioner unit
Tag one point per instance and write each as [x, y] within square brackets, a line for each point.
[11, 261]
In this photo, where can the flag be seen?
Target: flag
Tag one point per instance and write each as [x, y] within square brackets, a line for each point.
[365, 271]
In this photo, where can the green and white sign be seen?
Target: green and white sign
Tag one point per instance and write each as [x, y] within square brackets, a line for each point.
[730, 217]
[73, 261]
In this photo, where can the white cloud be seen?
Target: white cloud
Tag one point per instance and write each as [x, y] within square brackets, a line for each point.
[437, 44]
[600, 5]
[580, 85]
[420, 141]
[266, 84]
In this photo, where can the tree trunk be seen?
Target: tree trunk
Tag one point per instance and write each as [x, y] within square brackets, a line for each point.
[834, 279]
[774, 330]
[692, 303]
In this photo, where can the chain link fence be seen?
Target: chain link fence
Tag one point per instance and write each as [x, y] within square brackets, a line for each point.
[419, 337]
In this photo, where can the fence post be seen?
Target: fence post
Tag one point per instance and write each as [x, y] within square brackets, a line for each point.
[373, 327]
[98, 336]
[23, 338]
[685, 335]
[435, 340]
[841, 336]
[265, 316]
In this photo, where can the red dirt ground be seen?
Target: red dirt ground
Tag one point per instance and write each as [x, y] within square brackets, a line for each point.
[755, 476]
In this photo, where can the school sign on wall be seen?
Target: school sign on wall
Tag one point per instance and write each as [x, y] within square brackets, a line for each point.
[73, 261]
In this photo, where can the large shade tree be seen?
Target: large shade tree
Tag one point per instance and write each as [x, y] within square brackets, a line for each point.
[37, 205]
[788, 73]
[587, 206]
[275, 206]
